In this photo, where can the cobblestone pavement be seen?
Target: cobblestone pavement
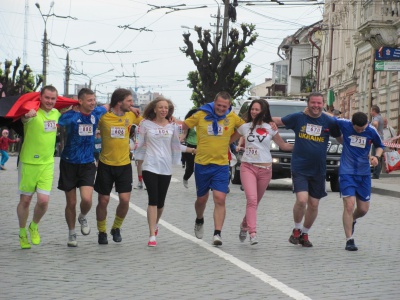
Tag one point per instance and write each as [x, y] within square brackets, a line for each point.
[183, 267]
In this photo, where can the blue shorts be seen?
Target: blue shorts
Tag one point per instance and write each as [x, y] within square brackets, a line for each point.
[211, 176]
[314, 185]
[355, 185]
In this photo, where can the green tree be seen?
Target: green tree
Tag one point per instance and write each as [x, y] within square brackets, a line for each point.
[14, 81]
[216, 68]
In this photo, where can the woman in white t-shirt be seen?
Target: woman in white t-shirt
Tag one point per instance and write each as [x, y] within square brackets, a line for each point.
[159, 148]
[256, 167]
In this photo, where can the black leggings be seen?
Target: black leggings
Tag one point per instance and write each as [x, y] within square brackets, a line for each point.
[157, 187]
[189, 159]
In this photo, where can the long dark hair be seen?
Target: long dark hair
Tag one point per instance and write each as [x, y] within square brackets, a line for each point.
[263, 116]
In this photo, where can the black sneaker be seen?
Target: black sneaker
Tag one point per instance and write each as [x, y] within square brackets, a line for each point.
[294, 238]
[304, 241]
[350, 246]
[352, 227]
[116, 233]
[103, 238]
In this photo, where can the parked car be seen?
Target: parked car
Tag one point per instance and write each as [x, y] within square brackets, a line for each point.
[280, 159]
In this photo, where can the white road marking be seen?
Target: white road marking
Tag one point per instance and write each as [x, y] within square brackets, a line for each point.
[237, 262]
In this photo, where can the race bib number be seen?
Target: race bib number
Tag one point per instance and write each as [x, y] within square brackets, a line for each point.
[118, 132]
[313, 129]
[85, 129]
[252, 152]
[50, 126]
[161, 132]
[358, 141]
[210, 130]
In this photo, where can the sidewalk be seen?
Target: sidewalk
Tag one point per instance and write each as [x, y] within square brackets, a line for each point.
[387, 185]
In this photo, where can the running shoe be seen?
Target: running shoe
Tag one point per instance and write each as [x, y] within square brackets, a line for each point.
[350, 246]
[304, 241]
[85, 228]
[185, 183]
[294, 238]
[116, 233]
[253, 240]
[242, 234]
[35, 237]
[24, 242]
[139, 185]
[152, 243]
[156, 231]
[72, 240]
[217, 241]
[103, 238]
[199, 230]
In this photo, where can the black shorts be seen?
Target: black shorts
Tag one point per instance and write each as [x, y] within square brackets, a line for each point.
[76, 175]
[108, 175]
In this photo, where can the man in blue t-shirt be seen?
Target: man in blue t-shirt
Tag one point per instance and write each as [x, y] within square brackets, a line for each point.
[77, 163]
[354, 170]
[308, 164]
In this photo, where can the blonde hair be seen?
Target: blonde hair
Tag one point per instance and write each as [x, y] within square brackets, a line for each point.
[149, 113]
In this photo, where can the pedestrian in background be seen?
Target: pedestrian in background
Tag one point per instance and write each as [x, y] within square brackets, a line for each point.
[36, 165]
[191, 142]
[159, 148]
[377, 122]
[5, 141]
[256, 167]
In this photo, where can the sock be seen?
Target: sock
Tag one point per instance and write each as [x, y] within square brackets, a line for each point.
[81, 216]
[33, 226]
[152, 238]
[200, 221]
[140, 178]
[102, 225]
[350, 238]
[22, 232]
[217, 232]
[71, 232]
[117, 222]
[298, 225]
[305, 230]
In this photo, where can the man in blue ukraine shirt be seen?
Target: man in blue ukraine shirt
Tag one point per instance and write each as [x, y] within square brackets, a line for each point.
[77, 163]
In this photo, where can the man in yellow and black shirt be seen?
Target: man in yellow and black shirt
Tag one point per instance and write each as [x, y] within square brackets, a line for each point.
[115, 165]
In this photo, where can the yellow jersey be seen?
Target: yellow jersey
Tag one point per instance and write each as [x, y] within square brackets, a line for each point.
[114, 131]
[213, 149]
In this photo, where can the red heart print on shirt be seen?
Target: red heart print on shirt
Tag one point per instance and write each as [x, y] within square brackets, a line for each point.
[262, 131]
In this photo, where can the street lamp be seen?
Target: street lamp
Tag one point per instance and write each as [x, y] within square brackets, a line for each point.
[45, 42]
[95, 87]
[68, 68]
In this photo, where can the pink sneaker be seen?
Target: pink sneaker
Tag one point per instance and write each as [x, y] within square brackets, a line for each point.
[152, 243]
[156, 231]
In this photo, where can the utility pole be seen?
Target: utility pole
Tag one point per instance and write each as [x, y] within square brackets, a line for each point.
[225, 24]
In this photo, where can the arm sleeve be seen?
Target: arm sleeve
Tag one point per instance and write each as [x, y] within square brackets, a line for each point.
[66, 118]
[140, 151]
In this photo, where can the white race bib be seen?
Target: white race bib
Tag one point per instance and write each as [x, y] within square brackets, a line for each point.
[252, 152]
[358, 141]
[313, 129]
[50, 126]
[85, 129]
[117, 132]
[210, 130]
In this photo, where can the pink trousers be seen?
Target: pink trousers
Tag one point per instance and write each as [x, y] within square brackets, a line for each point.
[255, 181]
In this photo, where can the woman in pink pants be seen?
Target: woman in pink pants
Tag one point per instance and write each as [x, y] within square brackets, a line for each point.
[256, 167]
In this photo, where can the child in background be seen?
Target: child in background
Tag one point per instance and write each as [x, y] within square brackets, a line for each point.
[97, 146]
[4, 142]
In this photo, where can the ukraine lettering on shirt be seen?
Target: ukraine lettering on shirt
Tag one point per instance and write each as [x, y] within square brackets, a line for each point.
[314, 138]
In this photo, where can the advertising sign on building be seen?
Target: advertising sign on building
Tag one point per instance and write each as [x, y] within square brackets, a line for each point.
[387, 53]
[387, 65]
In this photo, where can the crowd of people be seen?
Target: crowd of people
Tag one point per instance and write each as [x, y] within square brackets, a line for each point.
[97, 156]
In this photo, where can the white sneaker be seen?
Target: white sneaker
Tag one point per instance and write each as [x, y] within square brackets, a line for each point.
[185, 183]
[242, 234]
[85, 228]
[72, 241]
[253, 240]
[198, 230]
[217, 241]
[139, 185]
